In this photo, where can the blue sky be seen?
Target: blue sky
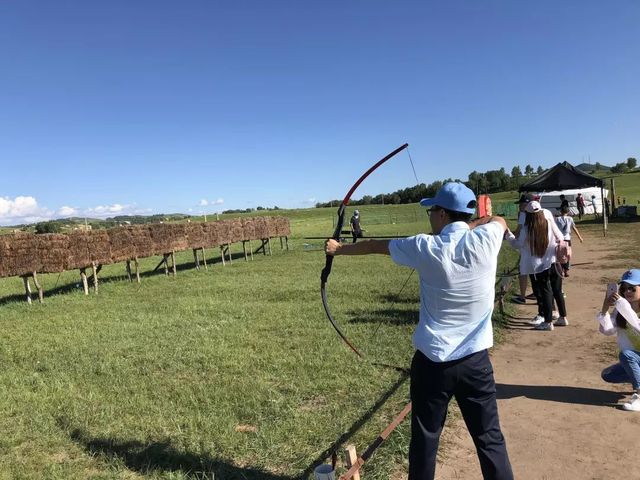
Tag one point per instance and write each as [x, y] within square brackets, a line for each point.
[201, 106]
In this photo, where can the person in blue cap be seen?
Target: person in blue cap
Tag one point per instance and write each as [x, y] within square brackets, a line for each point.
[623, 322]
[457, 265]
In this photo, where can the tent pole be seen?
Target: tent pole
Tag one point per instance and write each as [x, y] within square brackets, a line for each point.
[604, 213]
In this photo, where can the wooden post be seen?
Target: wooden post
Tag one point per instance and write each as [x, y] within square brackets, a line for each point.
[269, 242]
[166, 264]
[173, 262]
[351, 457]
[27, 288]
[286, 241]
[40, 291]
[222, 254]
[250, 250]
[204, 259]
[95, 276]
[196, 261]
[244, 250]
[229, 253]
[129, 269]
[137, 264]
[281, 245]
[83, 278]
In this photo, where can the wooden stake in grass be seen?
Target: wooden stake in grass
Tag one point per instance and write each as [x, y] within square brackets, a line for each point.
[40, 290]
[351, 457]
[27, 288]
[359, 462]
[83, 279]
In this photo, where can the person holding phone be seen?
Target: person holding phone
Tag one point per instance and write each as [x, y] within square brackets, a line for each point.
[623, 322]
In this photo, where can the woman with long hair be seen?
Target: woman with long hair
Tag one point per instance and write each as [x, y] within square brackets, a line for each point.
[537, 244]
[623, 322]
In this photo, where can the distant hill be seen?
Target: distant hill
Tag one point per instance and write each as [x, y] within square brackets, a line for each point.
[591, 167]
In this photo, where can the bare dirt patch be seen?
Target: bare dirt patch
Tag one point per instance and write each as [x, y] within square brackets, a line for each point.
[561, 421]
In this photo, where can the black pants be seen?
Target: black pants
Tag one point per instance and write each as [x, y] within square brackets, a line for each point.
[547, 287]
[356, 236]
[470, 380]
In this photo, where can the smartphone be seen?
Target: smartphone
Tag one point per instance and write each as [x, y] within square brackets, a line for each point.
[611, 289]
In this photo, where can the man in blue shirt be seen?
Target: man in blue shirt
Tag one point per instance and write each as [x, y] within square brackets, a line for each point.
[457, 267]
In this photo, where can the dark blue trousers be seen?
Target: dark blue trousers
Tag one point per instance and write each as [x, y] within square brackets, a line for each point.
[470, 380]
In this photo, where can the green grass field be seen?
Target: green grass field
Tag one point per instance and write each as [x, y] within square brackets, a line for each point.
[234, 370]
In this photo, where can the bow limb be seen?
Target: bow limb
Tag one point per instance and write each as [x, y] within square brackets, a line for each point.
[324, 276]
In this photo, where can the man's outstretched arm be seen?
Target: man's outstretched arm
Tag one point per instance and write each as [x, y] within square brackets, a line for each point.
[332, 247]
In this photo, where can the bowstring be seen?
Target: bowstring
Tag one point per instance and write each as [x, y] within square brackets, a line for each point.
[397, 295]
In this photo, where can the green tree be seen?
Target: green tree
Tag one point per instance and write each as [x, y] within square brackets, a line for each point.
[631, 163]
[47, 227]
[528, 170]
[598, 166]
[540, 170]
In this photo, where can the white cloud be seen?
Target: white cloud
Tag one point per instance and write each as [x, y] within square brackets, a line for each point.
[22, 209]
[67, 211]
[219, 201]
[310, 201]
[204, 202]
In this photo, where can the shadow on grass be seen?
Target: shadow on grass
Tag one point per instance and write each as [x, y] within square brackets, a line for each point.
[156, 457]
[391, 316]
[73, 287]
[553, 393]
[162, 456]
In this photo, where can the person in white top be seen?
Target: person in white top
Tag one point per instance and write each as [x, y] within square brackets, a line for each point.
[457, 269]
[537, 243]
[623, 322]
[565, 223]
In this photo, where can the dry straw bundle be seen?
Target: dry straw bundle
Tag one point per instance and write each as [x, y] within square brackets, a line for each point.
[122, 246]
[272, 227]
[19, 256]
[236, 230]
[224, 232]
[167, 237]
[52, 251]
[142, 243]
[79, 256]
[211, 233]
[282, 227]
[261, 229]
[196, 235]
[248, 228]
[99, 246]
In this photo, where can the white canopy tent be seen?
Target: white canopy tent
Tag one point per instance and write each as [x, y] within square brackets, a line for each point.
[592, 199]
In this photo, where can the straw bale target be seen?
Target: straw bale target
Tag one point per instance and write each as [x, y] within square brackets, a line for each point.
[261, 229]
[52, 251]
[99, 244]
[78, 256]
[236, 230]
[167, 237]
[282, 227]
[4, 248]
[142, 243]
[122, 245]
[248, 229]
[20, 254]
[224, 231]
[211, 232]
[272, 226]
[196, 235]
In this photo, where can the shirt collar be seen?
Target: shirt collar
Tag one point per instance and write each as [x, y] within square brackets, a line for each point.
[453, 227]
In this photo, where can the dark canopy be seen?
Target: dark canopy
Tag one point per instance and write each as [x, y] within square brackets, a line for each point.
[563, 176]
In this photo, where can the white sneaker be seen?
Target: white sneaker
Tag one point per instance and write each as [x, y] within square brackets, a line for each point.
[537, 320]
[555, 315]
[633, 405]
[561, 322]
[545, 326]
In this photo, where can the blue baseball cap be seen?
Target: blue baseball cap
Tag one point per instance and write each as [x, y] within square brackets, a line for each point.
[453, 196]
[632, 277]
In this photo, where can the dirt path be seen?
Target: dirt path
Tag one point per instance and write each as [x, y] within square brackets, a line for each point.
[558, 416]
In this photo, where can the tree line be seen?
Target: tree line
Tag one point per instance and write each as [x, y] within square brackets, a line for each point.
[491, 181]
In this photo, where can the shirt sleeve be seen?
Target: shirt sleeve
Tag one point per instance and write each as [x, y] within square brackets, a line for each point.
[606, 325]
[623, 306]
[406, 251]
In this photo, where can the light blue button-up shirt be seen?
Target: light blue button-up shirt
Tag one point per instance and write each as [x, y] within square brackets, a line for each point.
[457, 271]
